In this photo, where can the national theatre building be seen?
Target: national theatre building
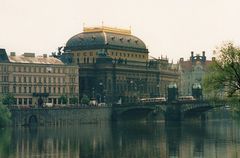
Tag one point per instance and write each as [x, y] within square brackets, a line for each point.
[114, 65]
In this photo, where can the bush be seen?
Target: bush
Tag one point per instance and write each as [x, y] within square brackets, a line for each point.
[85, 100]
[5, 115]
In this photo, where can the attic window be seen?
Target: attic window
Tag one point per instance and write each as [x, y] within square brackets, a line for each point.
[93, 37]
[112, 37]
[136, 41]
[121, 39]
[129, 40]
[81, 38]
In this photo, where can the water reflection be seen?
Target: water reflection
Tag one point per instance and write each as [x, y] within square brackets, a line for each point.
[218, 139]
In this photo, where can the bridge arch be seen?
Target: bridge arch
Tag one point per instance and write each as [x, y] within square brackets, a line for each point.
[32, 119]
[132, 112]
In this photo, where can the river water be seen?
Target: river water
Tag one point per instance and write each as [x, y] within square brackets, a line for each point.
[210, 139]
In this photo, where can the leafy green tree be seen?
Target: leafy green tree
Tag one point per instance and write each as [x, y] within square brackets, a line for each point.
[63, 99]
[85, 99]
[224, 74]
[74, 100]
[5, 143]
[8, 99]
[5, 115]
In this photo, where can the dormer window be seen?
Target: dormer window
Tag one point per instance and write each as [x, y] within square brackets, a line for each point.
[136, 41]
[81, 38]
[121, 39]
[112, 38]
[93, 37]
[129, 40]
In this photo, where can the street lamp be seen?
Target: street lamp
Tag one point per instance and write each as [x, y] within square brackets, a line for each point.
[158, 90]
[100, 91]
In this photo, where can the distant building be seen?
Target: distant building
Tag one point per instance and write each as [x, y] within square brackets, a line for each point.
[34, 80]
[192, 72]
[115, 66]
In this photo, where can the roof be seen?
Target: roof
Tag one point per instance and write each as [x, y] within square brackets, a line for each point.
[35, 60]
[105, 37]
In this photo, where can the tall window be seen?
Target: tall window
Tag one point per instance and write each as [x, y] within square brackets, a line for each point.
[14, 89]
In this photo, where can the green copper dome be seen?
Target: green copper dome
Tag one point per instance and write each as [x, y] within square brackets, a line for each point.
[107, 38]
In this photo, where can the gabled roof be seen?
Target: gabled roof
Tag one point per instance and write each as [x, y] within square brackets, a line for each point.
[35, 60]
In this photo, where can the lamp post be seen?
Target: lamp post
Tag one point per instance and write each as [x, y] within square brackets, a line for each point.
[93, 92]
[158, 90]
[100, 91]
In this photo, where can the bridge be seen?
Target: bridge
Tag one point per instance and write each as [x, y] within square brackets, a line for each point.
[172, 111]
[77, 115]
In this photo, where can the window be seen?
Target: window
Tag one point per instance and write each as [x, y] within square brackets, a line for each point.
[25, 89]
[19, 89]
[49, 89]
[24, 79]
[4, 68]
[20, 101]
[29, 79]
[14, 89]
[25, 101]
[29, 90]
[5, 89]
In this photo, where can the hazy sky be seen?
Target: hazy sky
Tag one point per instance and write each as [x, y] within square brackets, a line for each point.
[170, 28]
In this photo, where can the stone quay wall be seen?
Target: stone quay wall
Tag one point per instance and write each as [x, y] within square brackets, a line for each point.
[60, 116]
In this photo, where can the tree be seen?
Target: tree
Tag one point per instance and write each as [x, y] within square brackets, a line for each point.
[63, 99]
[85, 99]
[73, 100]
[224, 74]
[8, 99]
[5, 115]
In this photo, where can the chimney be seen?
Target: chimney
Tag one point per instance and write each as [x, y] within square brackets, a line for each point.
[213, 58]
[192, 53]
[29, 54]
[181, 59]
[203, 56]
[12, 54]
[192, 58]
[44, 55]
